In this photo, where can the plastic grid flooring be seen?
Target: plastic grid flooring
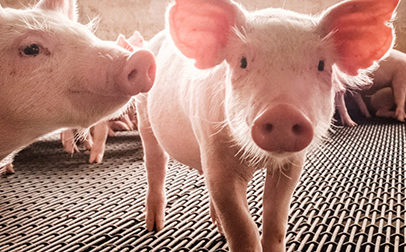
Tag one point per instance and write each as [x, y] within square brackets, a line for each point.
[351, 197]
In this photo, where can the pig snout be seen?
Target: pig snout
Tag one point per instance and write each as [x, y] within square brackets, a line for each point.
[282, 128]
[138, 73]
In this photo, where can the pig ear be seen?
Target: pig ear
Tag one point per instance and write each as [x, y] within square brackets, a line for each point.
[201, 29]
[67, 7]
[136, 40]
[359, 31]
[122, 42]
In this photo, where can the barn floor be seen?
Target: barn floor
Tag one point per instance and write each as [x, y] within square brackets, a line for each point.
[351, 197]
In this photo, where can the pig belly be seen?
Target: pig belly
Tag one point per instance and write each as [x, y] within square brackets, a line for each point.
[172, 128]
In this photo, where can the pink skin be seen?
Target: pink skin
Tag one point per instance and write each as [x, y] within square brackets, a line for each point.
[55, 73]
[383, 101]
[96, 140]
[391, 73]
[241, 75]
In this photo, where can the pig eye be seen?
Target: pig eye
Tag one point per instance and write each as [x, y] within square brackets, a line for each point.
[321, 66]
[31, 50]
[243, 63]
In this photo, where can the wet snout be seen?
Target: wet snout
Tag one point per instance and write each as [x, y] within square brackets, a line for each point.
[138, 73]
[282, 128]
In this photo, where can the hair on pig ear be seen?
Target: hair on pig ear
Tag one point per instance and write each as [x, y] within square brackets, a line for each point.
[67, 7]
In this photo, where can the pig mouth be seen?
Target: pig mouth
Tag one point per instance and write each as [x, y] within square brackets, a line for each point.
[96, 104]
[90, 93]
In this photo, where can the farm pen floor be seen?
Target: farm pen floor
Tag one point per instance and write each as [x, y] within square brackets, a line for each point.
[351, 197]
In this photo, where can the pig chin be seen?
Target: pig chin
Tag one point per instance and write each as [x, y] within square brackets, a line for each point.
[97, 106]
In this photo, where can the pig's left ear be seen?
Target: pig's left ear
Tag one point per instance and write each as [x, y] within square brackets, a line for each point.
[201, 29]
[359, 31]
[67, 7]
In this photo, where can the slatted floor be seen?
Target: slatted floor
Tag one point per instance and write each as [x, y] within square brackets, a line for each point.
[351, 197]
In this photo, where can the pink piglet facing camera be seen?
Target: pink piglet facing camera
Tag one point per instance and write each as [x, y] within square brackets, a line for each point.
[56, 73]
[238, 91]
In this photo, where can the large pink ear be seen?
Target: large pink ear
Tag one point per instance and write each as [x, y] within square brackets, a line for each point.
[360, 32]
[201, 29]
[67, 7]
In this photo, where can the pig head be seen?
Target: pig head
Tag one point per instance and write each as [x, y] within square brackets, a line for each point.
[55, 73]
[238, 91]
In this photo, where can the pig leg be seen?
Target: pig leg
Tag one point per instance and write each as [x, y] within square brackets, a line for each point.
[361, 104]
[383, 102]
[227, 184]
[214, 218]
[100, 132]
[342, 109]
[279, 187]
[155, 160]
[386, 112]
[68, 141]
[399, 92]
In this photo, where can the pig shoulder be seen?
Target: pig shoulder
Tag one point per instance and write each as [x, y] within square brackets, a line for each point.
[186, 98]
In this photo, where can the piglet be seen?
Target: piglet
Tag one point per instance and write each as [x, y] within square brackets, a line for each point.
[391, 73]
[94, 139]
[56, 73]
[238, 91]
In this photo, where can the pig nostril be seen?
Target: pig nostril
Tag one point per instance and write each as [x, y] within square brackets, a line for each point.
[297, 129]
[132, 75]
[268, 127]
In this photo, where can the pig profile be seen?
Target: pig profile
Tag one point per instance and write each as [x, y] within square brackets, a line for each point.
[389, 76]
[94, 139]
[56, 73]
[238, 91]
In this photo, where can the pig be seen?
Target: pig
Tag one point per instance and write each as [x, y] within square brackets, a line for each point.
[383, 102]
[94, 139]
[56, 73]
[239, 91]
[390, 73]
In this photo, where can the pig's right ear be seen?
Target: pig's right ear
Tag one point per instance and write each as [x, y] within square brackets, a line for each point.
[201, 29]
[359, 32]
[67, 7]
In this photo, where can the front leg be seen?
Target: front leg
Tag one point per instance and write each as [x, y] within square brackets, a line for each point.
[155, 160]
[227, 182]
[342, 109]
[279, 186]
[361, 104]
[100, 132]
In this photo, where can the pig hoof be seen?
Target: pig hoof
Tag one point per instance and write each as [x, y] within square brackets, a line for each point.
[70, 148]
[155, 211]
[7, 169]
[348, 122]
[96, 158]
[400, 115]
[96, 154]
